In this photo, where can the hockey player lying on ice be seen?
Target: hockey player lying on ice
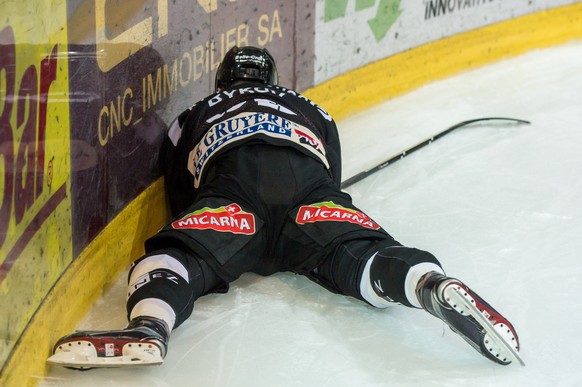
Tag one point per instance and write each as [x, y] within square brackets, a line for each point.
[253, 179]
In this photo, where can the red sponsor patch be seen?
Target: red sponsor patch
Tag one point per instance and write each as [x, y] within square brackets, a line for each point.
[331, 212]
[310, 140]
[230, 218]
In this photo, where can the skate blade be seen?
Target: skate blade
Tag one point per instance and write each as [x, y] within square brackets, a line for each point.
[88, 358]
[493, 334]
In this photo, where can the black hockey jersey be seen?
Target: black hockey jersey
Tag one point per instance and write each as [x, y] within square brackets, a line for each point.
[247, 113]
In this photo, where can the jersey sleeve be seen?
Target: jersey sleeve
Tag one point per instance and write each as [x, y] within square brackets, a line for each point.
[327, 128]
[178, 181]
[334, 150]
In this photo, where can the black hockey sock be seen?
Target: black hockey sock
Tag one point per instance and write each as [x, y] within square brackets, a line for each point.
[174, 277]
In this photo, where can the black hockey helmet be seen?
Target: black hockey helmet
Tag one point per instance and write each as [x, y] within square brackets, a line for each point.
[246, 63]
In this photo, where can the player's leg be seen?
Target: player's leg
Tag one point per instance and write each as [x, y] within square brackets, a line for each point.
[380, 272]
[163, 286]
[165, 283]
[343, 249]
[210, 245]
[384, 274]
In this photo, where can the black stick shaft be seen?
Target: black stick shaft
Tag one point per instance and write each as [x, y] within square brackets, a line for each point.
[362, 175]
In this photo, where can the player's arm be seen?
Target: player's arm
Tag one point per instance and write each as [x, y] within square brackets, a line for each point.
[179, 185]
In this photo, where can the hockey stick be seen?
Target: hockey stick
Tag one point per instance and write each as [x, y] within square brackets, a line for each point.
[362, 175]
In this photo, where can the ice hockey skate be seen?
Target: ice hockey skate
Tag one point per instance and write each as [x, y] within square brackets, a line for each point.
[142, 342]
[470, 316]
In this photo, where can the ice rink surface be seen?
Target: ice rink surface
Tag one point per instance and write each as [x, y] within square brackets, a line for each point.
[499, 204]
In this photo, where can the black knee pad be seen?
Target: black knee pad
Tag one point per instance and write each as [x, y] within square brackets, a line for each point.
[341, 271]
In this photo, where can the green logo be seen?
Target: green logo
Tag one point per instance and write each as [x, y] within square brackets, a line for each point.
[386, 14]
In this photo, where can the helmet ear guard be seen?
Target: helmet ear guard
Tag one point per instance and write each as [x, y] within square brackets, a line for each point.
[246, 63]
